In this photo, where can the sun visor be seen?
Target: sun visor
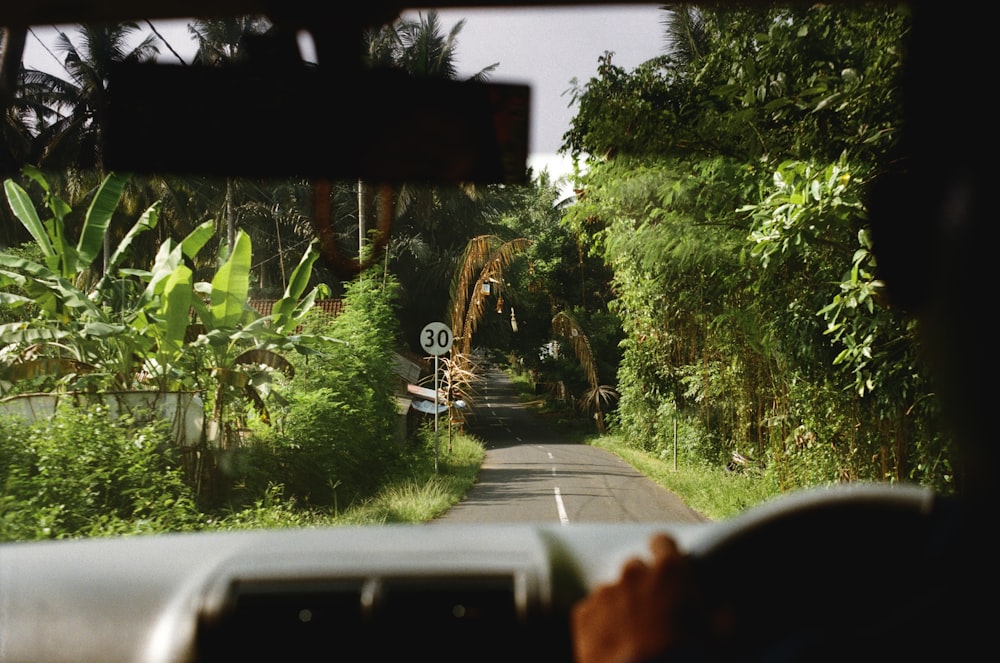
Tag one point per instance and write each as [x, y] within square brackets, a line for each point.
[254, 121]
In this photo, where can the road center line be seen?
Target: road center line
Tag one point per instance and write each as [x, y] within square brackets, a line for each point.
[563, 518]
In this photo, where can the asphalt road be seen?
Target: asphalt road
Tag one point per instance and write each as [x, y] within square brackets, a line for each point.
[533, 474]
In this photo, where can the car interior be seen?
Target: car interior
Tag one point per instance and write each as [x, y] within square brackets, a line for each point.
[505, 591]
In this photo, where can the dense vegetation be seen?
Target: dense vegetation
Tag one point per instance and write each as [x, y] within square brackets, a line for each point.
[727, 191]
[713, 289]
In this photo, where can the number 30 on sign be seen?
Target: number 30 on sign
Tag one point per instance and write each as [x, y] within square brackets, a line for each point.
[436, 338]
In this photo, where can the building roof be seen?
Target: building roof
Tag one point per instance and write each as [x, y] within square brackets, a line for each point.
[332, 307]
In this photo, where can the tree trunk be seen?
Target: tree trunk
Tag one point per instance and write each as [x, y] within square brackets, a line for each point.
[230, 216]
[362, 213]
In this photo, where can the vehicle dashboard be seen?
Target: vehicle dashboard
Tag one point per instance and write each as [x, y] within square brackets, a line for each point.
[488, 592]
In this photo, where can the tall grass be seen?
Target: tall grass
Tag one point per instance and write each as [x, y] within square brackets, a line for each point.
[411, 492]
[713, 492]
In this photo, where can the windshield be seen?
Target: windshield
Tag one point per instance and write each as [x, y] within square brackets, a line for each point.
[482, 264]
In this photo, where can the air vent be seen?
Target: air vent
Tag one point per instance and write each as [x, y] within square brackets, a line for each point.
[449, 618]
[288, 621]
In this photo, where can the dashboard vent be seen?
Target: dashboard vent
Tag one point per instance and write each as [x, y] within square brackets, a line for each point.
[290, 621]
[447, 617]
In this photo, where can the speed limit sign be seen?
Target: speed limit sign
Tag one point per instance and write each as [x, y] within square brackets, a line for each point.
[436, 338]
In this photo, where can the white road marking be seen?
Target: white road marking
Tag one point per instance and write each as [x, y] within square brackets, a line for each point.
[563, 518]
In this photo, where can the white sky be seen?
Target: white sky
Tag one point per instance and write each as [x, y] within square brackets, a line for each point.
[545, 48]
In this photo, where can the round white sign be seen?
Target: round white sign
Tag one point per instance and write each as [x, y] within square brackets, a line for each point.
[436, 338]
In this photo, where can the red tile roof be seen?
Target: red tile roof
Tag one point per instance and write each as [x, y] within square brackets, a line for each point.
[332, 307]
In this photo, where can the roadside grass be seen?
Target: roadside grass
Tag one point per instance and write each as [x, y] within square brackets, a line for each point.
[421, 493]
[713, 492]
[413, 492]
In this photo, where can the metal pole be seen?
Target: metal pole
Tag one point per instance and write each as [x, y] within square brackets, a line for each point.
[435, 414]
[675, 442]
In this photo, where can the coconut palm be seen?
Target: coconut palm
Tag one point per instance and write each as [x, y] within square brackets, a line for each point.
[15, 137]
[66, 109]
[275, 213]
[685, 33]
[16, 118]
[221, 41]
[430, 225]
[71, 131]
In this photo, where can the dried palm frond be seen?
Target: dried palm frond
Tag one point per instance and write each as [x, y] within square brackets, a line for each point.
[598, 394]
[483, 262]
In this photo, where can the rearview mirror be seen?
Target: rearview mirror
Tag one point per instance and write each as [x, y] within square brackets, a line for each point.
[253, 120]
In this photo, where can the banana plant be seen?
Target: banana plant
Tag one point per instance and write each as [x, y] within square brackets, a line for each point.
[170, 330]
[61, 256]
[163, 311]
[245, 347]
[75, 332]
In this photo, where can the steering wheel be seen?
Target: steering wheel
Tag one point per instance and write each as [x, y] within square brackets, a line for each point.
[831, 574]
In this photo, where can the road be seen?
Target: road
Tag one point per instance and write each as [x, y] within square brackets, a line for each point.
[532, 474]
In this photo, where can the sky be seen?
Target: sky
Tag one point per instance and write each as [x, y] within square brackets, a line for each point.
[546, 48]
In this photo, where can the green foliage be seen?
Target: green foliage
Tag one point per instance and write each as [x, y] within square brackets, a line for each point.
[726, 189]
[82, 473]
[132, 328]
[334, 436]
[411, 490]
[420, 489]
[78, 335]
[61, 256]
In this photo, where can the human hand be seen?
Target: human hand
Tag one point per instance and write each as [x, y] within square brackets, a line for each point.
[651, 609]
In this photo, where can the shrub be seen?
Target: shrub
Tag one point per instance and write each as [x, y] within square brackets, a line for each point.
[81, 473]
[331, 444]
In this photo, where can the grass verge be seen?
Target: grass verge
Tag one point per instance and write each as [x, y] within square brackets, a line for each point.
[713, 492]
[414, 492]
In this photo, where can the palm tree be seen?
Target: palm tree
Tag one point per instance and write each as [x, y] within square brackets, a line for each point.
[686, 35]
[14, 132]
[71, 132]
[479, 279]
[16, 114]
[67, 109]
[272, 212]
[418, 47]
[222, 41]
[430, 225]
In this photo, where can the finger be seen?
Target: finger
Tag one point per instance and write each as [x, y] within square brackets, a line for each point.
[663, 547]
[633, 569]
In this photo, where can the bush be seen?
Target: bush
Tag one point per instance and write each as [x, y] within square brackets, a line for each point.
[325, 451]
[81, 473]
[331, 444]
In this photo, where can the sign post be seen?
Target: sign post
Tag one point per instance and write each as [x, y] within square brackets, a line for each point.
[436, 339]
